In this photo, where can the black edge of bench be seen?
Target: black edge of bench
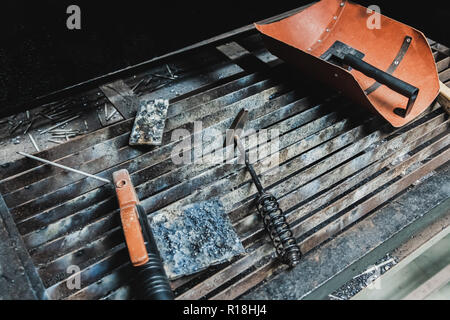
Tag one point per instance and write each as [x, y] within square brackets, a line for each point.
[33, 282]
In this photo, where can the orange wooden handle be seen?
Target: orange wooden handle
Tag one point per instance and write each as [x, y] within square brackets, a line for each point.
[130, 218]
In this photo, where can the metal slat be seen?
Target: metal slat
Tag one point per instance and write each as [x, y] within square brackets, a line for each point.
[177, 108]
[373, 202]
[89, 275]
[15, 198]
[54, 228]
[46, 214]
[327, 213]
[68, 148]
[73, 161]
[295, 106]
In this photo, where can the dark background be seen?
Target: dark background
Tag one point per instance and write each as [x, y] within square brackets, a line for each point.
[38, 54]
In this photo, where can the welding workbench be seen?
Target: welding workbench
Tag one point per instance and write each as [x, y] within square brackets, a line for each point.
[344, 178]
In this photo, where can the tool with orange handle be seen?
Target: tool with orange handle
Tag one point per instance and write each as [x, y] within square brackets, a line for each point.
[151, 280]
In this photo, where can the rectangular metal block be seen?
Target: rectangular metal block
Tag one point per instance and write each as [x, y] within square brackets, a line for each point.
[149, 124]
[196, 237]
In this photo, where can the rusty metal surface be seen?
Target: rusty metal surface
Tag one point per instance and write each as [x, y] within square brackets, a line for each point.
[337, 163]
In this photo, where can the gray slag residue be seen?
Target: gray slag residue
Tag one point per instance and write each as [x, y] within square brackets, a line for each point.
[149, 123]
[195, 237]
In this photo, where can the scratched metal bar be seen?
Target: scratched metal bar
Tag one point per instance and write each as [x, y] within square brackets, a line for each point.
[337, 163]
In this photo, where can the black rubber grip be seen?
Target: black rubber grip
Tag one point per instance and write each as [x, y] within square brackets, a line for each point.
[382, 77]
[151, 281]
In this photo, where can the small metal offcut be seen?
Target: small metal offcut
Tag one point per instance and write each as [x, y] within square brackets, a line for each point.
[196, 237]
[149, 123]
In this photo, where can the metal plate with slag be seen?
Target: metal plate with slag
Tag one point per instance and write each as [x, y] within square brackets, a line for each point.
[196, 237]
[149, 123]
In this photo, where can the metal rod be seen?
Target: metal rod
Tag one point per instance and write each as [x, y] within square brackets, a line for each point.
[33, 142]
[250, 168]
[64, 167]
[29, 126]
[16, 127]
[111, 115]
[59, 124]
[54, 141]
[137, 85]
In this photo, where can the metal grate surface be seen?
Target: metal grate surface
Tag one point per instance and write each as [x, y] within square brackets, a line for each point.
[337, 165]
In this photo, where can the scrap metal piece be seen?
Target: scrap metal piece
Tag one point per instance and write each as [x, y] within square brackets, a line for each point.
[196, 237]
[60, 124]
[16, 127]
[33, 142]
[29, 126]
[54, 141]
[149, 123]
[121, 97]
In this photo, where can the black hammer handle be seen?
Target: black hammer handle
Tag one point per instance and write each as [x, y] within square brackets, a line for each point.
[151, 282]
[385, 78]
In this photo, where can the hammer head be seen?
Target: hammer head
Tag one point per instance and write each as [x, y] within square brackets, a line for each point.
[336, 53]
[236, 128]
